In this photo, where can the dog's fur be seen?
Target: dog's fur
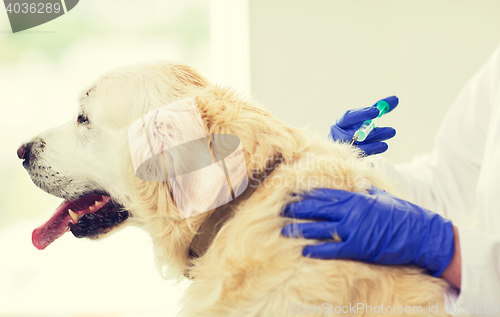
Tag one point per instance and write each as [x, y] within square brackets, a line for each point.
[250, 269]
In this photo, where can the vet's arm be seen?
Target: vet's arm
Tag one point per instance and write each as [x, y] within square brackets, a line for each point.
[344, 128]
[375, 227]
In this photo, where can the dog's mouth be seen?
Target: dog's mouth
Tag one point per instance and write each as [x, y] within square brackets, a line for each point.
[87, 216]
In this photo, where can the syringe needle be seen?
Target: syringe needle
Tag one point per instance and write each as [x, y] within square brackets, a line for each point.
[354, 139]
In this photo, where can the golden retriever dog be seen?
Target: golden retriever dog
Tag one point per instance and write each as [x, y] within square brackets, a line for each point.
[247, 267]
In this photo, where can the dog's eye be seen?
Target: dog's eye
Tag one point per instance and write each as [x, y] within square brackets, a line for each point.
[82, 119]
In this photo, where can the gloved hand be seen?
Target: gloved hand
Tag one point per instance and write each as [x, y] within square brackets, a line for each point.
[343, 129]
[375, 227]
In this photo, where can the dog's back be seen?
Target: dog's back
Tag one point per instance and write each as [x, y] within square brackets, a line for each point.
[252, 270]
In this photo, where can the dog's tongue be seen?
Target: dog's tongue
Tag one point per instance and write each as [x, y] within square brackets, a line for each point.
[60, 222]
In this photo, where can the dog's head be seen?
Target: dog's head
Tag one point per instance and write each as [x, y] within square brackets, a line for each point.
[87, 161]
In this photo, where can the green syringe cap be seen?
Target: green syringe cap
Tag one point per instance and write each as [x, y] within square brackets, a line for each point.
[383, 107]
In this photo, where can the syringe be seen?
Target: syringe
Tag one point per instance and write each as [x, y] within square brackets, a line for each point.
[368, 125]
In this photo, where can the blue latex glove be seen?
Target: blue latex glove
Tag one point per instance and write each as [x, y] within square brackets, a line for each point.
[375, 227]
[343, 129]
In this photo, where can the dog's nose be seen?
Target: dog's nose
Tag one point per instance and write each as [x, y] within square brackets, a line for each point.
[24, 149]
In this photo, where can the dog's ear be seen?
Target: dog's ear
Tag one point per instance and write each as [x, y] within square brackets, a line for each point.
[174, 139]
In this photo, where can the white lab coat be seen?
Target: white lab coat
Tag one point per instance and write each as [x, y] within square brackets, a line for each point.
[460, 180]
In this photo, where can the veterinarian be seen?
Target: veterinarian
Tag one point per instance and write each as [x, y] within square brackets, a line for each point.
[459, 180]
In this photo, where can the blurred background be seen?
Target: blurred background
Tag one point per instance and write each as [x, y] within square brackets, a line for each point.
[306, 61]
